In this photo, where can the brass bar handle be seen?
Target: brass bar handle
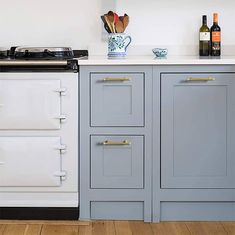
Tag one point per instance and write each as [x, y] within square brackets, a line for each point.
[109, 79]
[109, 142]
[191, 79]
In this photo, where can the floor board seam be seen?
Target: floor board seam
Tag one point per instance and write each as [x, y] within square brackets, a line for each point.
[224, 228]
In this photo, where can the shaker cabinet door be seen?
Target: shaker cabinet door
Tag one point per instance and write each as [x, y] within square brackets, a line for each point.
[197, 130]
[117, 161]
[30, 161]
[117, 99]
[29, 104]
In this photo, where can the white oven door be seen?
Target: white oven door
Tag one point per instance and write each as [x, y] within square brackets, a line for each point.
[31, 161]
[29, 104]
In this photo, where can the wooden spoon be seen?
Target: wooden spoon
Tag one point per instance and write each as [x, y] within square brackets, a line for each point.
[105, 24]
[119, 26]
[125, 21]
[111, 20]
[116, 17]
[121, 18]
[108, 23]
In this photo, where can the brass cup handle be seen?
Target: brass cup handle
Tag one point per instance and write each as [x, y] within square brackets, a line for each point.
[191, 79]
[110, 142]
[109, 79]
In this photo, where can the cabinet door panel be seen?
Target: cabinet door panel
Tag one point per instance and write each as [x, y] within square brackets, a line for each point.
[117, 165]
[117, 99]
[197, 131]
[29, 161]
[29, 104]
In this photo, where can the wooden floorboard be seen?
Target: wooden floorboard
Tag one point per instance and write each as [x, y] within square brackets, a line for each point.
[229, 227]
[140, 228]
[98, 228]
[206, 228]
[33, 229]
[122, 227]
[115, 228]
[171, 228]
[85, 230]
[14, 229]
[59, 230]
[109, 228]
[2, 228]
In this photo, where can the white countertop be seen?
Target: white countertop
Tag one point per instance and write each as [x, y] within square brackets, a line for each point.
[150, 60]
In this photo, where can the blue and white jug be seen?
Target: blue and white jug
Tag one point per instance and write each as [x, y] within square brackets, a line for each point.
[117, 44]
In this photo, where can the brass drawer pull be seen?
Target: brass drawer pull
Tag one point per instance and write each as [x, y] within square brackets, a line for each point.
[191, 79]
[109, 142]
[109, 79]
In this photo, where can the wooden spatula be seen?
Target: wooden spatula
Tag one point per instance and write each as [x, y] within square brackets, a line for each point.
[119, 26]
[125, 21]
[110, 16]
[108, 23]
[105, 24]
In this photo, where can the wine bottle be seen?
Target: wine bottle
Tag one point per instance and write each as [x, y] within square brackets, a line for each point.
[204, 38]
[215, 37]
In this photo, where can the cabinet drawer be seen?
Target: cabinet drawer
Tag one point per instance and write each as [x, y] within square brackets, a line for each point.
[30, 161]
[117, 99]
[117, 161]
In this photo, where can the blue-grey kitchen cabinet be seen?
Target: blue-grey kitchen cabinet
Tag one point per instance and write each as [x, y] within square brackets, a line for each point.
[115, 142]
[197, 124]
[157, 142]
[194, 152]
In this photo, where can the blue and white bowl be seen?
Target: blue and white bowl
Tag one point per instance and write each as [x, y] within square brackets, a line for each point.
[160, 52]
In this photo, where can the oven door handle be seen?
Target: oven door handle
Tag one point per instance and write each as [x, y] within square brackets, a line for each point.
[61, 91]
[62, 118]
[61, 147]
[61, 174]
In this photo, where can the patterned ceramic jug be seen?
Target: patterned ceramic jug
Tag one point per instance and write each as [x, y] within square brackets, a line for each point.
[117, 44]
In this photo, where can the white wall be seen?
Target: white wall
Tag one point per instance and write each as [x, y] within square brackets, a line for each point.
[176, 22]
[73, 23]
[77, 23]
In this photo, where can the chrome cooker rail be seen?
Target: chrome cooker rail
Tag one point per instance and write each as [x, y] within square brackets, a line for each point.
[8, 65]
[33, 62]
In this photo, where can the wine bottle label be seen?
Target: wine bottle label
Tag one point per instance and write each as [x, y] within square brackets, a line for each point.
[215, 37]
[204, 36]
[215, 46]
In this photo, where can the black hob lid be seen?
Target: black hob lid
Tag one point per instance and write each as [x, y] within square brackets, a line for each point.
[44, 53]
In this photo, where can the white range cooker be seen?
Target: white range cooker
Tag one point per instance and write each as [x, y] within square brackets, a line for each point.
[38, 131]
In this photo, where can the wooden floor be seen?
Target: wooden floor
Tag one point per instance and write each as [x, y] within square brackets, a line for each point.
[115, 228]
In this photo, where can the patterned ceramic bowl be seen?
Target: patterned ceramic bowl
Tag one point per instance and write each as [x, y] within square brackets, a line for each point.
[160, 52]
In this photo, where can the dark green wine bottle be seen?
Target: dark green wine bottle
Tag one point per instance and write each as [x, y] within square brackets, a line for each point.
[204, 38]
[215, 37]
